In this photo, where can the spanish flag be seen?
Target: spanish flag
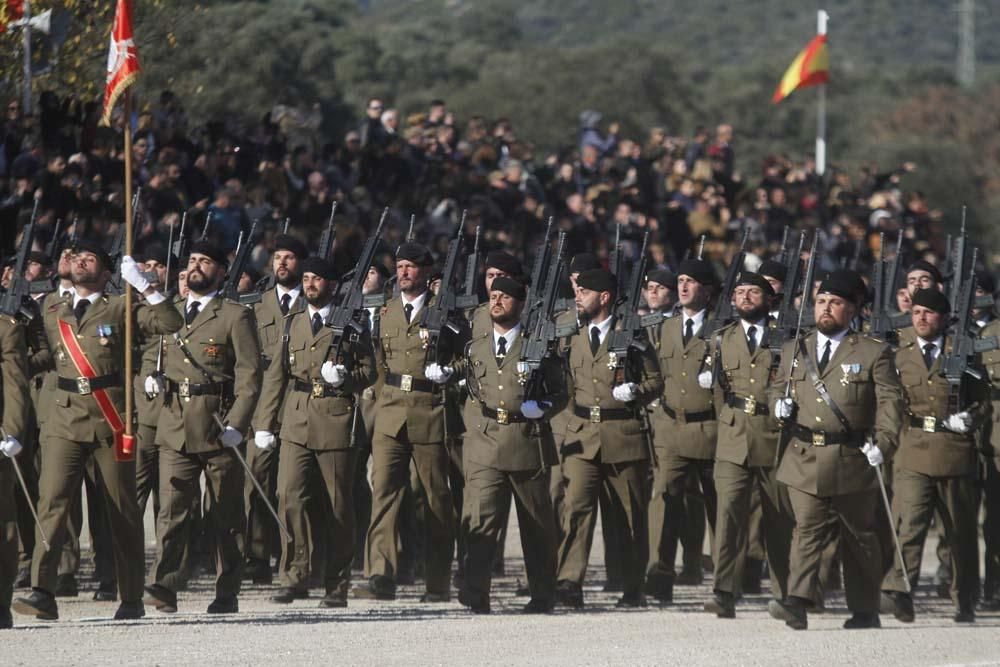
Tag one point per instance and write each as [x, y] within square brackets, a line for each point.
[810, 68]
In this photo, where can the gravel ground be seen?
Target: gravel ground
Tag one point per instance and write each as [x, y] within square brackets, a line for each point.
[411, 633]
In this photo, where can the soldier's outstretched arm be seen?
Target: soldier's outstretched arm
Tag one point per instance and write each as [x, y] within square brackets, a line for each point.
[163, 318]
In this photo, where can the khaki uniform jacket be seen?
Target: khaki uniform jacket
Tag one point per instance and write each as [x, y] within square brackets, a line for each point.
[590, 385]
[223, 340]
[991, 361]
[862, 380]
[744, 439]
[941, 454]
[270, 329]
[679, 365]
[78, 418]
[14, 372]
[41, 374]
[401, 350]
[148, 409]
[559, 420]
[507, 447]
[322, 422]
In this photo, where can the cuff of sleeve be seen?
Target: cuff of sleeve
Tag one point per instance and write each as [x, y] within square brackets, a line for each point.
[155, 299]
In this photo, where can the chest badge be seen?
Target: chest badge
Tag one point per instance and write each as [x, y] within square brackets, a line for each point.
[212, 351]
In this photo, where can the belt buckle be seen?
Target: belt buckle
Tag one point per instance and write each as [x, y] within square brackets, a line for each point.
[83, 386]
[750, 405]
[184, 389]
[595, 415]
[317, 389]
[930, 424]
[503, 417]
[406, 383]
[819, 439]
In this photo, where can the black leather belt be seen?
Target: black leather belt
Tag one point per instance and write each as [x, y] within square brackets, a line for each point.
[186, 389]
[317, 388]
[409, 383]
[85, 386]
[688, 417]
[502, 416]
[747, 404]
[597, 415]
[927, 424]
[824, 438]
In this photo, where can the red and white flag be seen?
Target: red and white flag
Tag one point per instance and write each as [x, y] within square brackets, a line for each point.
[123, 59]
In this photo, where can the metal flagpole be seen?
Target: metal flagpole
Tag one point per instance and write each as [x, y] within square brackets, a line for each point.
[821, 19]
[26, 103]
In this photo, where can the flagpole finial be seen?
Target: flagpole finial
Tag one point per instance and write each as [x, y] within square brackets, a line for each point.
[821, 18]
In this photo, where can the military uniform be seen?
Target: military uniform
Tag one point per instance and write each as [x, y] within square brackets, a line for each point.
[262, 532]
[936, 468]
[605, 445]
[317, 460]
[830, 482]
[991, 475]
[14, 373]
[686, 429]
[76, 430]
[212, 367]
[506, 455]
[744, 458]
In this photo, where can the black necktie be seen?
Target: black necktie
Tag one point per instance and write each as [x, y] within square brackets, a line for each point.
[595, 339]
[752, 338]
[688, 330]
[192, 312]
[285, 302]
[80, 309]
[826, 357]
[929, 355]
[408, 312]
[501, 349]
[317, 323]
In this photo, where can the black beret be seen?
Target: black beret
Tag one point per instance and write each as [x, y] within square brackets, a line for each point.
[598, 280]
[776, 270]
[986, 282]
[924, 265]
[381, 268]
[320, 267]
[756, 280]
[584, 262]
[155, 252]
[504, 261]
[509, 286]
[663, 277]
[698, 269]
[252, 274]
[416, 253]
[840, 285]
[291, 244]
[853, 278]
[210, 250]
[933, 299]
[95, 248]
[39, 257]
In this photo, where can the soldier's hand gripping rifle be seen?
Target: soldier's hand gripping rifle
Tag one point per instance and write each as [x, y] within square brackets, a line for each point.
[231, 288]
[443, 314]
[469, 297]
[12, 301]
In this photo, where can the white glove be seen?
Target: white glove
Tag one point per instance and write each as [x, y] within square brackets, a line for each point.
[783, 408]
[873, 453]
[705, 379]
[534, 409]
[153, 385]
[960, 422]
[335, 374]
[132, 275]
[625, 392]
[264, 440]
[438, 374]
[10, 447]
[230, 437]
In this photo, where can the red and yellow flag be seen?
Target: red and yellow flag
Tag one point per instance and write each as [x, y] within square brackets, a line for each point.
[10, 10]
[810, 68]
[123, 59]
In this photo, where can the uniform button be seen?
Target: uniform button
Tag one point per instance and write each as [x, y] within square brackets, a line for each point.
[407, 352]
[502, 404]
[684, 356]
[500, 387]
[752, 381]
[186, 360]
[753, 365]
[499, 372]
[684, 374]
[929, 382]
[595, 380]
[598, 400]
[931, 398]
[683, 391]
[79, 336]
[819, 400]
[187, 341]
[314, 348]
[819, 419]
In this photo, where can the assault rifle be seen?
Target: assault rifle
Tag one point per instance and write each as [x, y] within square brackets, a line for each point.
[724, 312]
[787, 312]
[231, 288]
[885, 321]
[539, 342]
[440, 315]
[539, 272]
[629, 331]
[116, 285]
[469, 297]
[12, 301]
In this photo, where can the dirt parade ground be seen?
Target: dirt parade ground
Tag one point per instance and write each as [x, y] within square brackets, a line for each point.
[406, 632]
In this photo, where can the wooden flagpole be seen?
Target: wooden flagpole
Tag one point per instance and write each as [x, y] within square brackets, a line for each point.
[128, 444]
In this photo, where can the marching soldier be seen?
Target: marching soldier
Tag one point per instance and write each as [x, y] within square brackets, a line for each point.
[744, 456]
[410, 426]
[275, 305]
[990, 326]
[686, 433]
[775, 273]
[212, 376]
[661, 294]
[14, 374]
[936, 464]
[317, 460]
[507, 450]
[86, 332]
[605, 444]
[844, 390]
[498, 264]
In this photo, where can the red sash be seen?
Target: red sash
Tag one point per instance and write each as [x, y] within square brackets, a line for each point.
[124, 445]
